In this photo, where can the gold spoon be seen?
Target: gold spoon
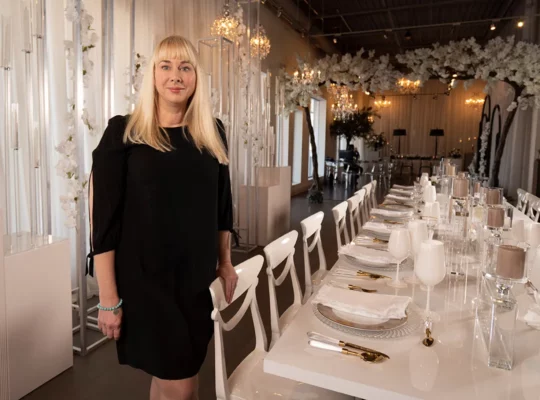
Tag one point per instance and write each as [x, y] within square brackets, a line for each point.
[428, 340]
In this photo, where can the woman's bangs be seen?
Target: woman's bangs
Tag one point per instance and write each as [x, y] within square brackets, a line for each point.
[175, 49]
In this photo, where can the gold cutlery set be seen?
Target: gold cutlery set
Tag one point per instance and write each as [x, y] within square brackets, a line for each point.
[332, 344]
[359, 273]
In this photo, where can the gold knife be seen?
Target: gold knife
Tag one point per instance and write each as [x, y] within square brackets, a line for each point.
[317, 336]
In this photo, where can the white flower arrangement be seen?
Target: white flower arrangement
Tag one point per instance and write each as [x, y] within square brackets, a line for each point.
[517, 64]
[484, 141]
[68, 165]
[138, 75]
[67, 168]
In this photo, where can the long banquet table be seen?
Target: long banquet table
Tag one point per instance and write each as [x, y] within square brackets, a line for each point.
[455, 367]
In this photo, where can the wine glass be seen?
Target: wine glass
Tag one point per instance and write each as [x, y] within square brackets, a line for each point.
[432, 214]
[418, 232]
[431, 270]
[399, 247]
[417, 196]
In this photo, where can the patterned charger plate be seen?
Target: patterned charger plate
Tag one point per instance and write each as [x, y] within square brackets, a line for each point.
[413, 322]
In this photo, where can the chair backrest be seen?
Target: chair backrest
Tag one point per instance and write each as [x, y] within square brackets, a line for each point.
[367, 202]
[311, 226]
[280, 250]
[373, 195]
[248, 273]
[522, 200]
[534, 208]
[340, 218]
[354, 213]
[363, 217]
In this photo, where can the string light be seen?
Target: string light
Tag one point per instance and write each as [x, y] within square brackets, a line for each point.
[492, 27]
[520, 23]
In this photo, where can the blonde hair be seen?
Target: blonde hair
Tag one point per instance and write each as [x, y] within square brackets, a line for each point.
[143, 125]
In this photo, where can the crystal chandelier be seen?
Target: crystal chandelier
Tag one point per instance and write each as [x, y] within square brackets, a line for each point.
[383, 103]
[408, 87]
[474, 102]
[226, 25]
[260, 44]
[343, 107]
[305, 76]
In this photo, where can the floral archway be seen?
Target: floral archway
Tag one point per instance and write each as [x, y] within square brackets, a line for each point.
[515, 63]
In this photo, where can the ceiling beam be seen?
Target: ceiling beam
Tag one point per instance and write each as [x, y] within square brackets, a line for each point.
[413, 27]
[402, 8]
[392, 24]
[345, 22]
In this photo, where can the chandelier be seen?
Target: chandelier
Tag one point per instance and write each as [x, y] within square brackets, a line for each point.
[408, 87]
[305, 76]
[226, 25]
[474, 102]
[383, 103]
[260, 44]
[343, 106]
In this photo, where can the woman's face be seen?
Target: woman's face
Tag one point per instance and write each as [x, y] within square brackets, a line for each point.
[175, 81]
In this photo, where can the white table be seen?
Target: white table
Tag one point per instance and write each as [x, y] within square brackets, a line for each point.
[454, 368]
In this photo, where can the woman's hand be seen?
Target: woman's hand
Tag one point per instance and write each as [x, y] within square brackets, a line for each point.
[227, 272]
[109, 322]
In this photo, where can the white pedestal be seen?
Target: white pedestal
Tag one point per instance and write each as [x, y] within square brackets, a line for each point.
[38, 311]
[270, 205]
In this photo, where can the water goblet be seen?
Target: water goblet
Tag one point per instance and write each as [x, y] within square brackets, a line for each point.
[399, 247]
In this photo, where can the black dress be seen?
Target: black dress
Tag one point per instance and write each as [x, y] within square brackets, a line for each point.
[161, 213]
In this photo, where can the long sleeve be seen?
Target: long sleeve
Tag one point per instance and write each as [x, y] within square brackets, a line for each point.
[107, 188]
[225, 209]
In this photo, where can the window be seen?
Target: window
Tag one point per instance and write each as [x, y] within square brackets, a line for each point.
[297, 148]
[318, 119]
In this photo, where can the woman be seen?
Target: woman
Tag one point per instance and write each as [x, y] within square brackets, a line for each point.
[161, 213]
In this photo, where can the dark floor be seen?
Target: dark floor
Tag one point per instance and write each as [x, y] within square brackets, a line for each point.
[99, 376]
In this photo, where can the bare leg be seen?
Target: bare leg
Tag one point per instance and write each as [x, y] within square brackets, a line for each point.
[184, 389]
[154, 391]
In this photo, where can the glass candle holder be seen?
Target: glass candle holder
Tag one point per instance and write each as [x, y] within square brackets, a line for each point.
[506, 262]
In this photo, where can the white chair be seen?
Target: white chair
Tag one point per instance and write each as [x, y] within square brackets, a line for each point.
[534, 208]
[367, 203]
[373, 197]
[311, 226]
[248, 381]
[340, 218]
[522, 201]
[282, 249]
[354, 214]
[363, 218]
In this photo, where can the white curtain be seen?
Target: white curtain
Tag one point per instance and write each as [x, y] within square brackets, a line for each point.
[430, 111]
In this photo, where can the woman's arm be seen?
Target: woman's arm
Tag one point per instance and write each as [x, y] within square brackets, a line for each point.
[226, 270]
[108, 321]
[224, 247]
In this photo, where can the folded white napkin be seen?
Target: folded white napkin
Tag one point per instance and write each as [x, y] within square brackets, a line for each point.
[371, 305]
[378, 227]
[403, 187]
[401, 192]
[372, 256]
[398, 198]
[392, 213]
